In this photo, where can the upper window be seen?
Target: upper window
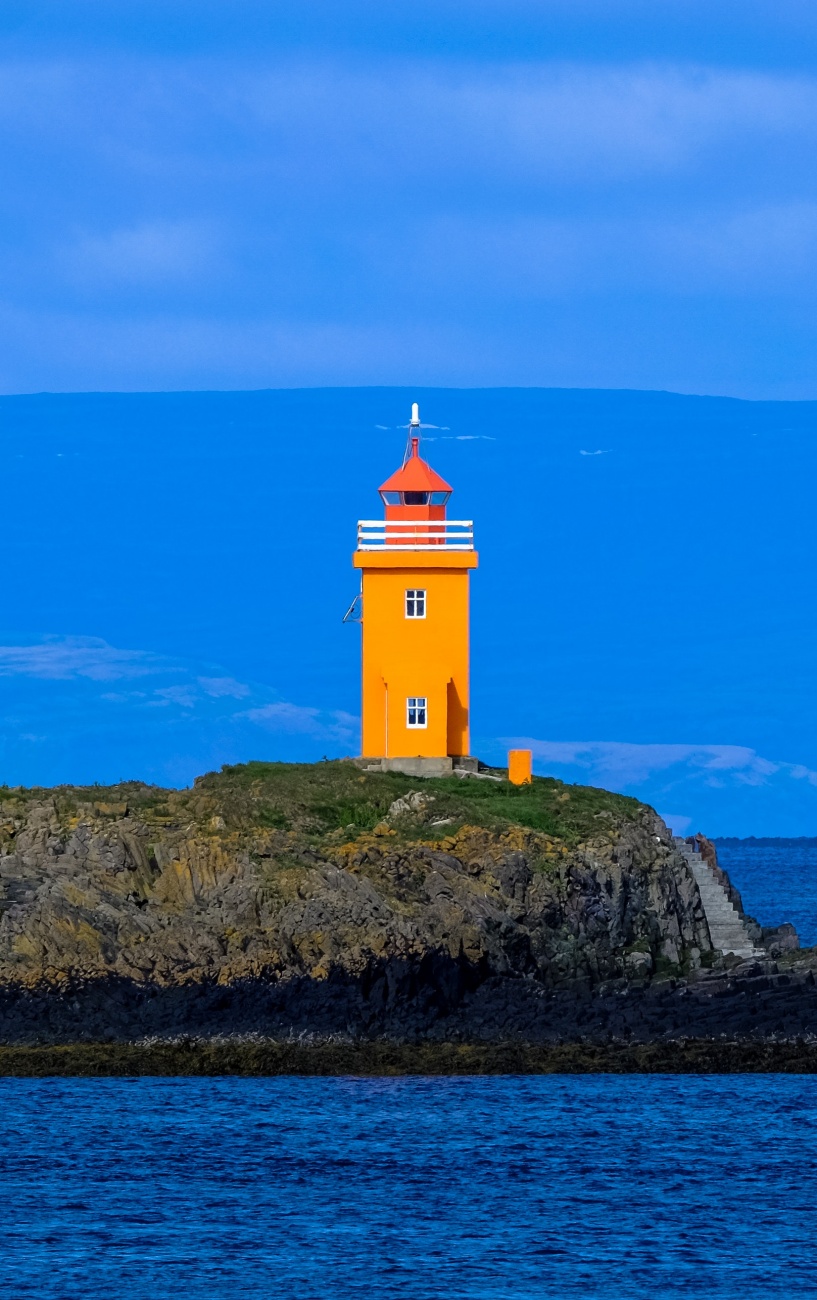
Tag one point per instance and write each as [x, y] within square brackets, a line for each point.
[417, 711]
[418, 498]
[415, 602]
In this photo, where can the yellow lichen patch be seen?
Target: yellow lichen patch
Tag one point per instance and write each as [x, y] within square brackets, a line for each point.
[200, 865]
[345, 851]
[175, 885]
[377, 942]
[354, 852]
[523, 840]
[77, 934]
[311, 948]
[25, 946]
[78, 897]
[472, 945]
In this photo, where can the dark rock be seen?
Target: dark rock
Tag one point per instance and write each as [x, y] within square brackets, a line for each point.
[160, 913]
[779, 939]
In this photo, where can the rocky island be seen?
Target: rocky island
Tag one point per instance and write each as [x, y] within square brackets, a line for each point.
[325, 917]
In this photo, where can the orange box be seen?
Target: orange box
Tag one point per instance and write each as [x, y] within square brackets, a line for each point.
[520, 766]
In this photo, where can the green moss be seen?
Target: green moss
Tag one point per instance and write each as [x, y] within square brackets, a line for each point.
[548, 866]
[271, 818]
[355, 816]
[319, 799]
[640, 945]
[665, 969]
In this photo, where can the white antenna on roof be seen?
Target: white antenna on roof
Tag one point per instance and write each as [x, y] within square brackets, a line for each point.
[413, 429]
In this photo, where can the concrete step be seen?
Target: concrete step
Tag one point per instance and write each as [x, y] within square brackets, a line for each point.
[726, 926]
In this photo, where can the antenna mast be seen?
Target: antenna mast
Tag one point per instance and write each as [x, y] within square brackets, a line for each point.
[413, 429]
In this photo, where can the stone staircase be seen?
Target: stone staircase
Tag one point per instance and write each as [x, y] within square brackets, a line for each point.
[726, 926]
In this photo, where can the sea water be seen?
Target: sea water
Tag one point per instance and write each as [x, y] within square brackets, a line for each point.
[777, 882]
[589, 1186]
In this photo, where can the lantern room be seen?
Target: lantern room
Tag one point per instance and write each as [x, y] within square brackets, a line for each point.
[415, 491]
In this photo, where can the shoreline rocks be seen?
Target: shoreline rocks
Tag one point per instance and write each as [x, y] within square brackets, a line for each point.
[261, 902]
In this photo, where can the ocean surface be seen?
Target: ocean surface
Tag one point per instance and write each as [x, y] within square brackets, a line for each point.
[777, 882]
[511, 1187]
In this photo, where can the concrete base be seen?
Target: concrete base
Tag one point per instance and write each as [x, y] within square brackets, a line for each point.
[418, 766]
[459, 766]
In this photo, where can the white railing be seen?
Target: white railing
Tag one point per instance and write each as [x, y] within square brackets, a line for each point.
[415, 535]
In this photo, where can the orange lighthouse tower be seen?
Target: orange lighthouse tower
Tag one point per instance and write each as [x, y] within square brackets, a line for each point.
[415, 566]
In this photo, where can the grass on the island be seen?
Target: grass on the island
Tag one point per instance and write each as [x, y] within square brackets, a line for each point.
[316, 799]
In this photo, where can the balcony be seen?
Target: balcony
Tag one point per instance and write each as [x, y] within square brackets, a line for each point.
[415, 535]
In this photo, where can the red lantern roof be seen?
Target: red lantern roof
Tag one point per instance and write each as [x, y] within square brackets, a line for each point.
[416, 475]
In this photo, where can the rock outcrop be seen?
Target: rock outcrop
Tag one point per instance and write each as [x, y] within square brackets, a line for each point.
[278, 899]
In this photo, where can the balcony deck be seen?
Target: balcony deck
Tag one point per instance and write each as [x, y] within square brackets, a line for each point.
[415, 535]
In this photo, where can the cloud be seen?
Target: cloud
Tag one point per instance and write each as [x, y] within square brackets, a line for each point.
[282, 716]
[622, 764]
[152, 253]
[218, 687]
[71, 658]
[96, 711]
[542, 119]
[183, 695]
[731, 245]
[595, 453]
[317, 126]
[349, 721]
[800, 773]
[66, 657]
[742, 249]
[143, 249]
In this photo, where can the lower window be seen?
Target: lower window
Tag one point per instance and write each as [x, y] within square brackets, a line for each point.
[416, 711]
[415, 602]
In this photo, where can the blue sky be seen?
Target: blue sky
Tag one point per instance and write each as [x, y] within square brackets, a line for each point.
[202, 195]
[546, 201]
[176, 567]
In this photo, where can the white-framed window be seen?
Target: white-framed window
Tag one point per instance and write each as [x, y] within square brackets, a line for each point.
[415, 602]
[417, 711]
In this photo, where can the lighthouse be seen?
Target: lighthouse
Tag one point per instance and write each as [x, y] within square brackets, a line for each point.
[415, 566]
